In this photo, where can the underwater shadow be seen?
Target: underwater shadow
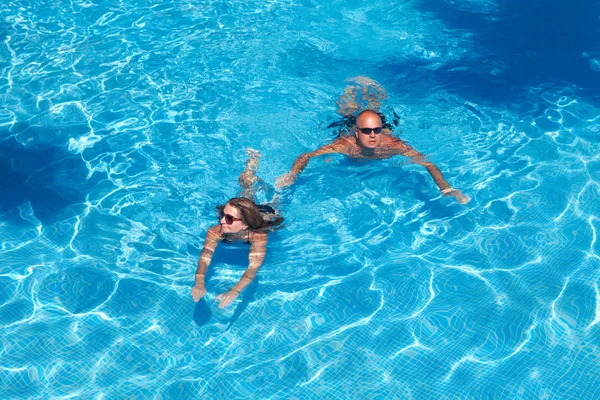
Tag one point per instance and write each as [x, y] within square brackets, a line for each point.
[248, 296]
[46, 175]
[203, 313]
[233, 254]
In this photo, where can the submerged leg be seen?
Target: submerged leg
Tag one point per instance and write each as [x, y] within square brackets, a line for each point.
[248, 177]
[362, 94]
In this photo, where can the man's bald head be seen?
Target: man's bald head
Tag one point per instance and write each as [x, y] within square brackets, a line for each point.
[370, 115]
[367, 129]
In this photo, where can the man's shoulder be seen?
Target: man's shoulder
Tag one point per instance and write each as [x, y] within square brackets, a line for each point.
[339, 145]
[390, 139]
[392, 142]
[344, 142]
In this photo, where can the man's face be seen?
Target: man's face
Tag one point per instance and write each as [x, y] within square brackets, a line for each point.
[231, 220]
[370, 139]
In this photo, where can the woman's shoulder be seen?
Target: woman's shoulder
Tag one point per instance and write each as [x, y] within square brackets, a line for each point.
[258, 236]
[215, 232]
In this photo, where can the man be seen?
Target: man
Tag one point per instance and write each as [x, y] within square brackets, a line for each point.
[369, 142]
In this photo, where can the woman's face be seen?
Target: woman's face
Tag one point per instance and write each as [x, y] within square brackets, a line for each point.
[231, 221]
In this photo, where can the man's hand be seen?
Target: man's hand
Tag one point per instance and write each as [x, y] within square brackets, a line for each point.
[198, 292]
[285, 180]
[227, 298]
[457, 194]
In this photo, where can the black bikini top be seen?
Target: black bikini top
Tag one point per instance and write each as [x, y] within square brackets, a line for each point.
[243, 236]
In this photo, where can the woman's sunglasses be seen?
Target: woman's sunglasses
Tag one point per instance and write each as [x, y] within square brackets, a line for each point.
[367, 131]
[229, 219]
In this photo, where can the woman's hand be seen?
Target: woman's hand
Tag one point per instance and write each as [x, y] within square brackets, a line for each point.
[198, 292]
[227, 298]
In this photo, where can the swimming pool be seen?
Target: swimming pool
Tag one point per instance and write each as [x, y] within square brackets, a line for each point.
[124, 123]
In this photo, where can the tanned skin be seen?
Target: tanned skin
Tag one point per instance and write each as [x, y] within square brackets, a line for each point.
[258, 250]
[375, 147]
[235, 231]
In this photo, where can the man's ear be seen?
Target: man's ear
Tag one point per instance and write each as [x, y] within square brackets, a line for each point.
[356, 133]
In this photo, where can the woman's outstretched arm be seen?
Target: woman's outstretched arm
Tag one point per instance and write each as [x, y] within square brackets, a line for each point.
[210, 244]
[258, 250]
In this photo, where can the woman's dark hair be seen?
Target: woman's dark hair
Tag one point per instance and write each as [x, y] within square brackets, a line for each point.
[251, 214]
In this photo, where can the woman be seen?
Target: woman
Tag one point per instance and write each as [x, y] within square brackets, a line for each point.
[239, 220]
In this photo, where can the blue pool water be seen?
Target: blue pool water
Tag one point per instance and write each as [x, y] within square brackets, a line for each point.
[124, 123]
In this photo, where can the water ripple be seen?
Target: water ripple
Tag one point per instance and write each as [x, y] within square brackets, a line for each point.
[125, 123]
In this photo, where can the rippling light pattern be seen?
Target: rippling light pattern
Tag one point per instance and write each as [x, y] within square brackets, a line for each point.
[124, 123]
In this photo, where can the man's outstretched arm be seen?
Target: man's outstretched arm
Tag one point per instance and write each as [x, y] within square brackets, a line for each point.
[301, 163]
[435, 173]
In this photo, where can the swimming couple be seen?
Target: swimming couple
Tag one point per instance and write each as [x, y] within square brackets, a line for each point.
[241, 219]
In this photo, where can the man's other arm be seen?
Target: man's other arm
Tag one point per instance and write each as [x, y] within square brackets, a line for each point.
[418, 158]
[302, 161]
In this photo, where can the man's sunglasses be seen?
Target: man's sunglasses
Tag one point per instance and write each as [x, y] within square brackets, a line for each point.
[367, 131]
[229, 219]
